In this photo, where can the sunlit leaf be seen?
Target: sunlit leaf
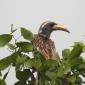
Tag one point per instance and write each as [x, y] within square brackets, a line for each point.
[25, 46]
[76, 61]
[60, 72]
[4, 39]
[50, 64]
[83, 49]
[82, 66]
[26, 34]
[77, 50]
[66, 53]
[5, 62]
[11, 46]
[72, 79]
[79, 43]
[67, 70]
[30, 63]
[20, 60]
[36, 63]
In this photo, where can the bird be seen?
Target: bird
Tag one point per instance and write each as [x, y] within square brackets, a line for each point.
[42, 41]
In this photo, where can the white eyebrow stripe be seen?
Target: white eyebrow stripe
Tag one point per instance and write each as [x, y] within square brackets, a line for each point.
[44, 23]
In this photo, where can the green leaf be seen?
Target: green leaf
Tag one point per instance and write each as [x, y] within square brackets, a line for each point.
[4, 39]
[25, 46]
[57, 82]
[79, 43]
[51, 75]
[20, 83]
[50, 64]
[53, 82]
[26, 34]
[20, 60]
[38, 55]
[60, 72]
[83, 49]
[30, 63]
[2, 82]
[60, 82]
[36, 63]
[11, 46]
[47, 82]
[77, 50]
[5, 62]
[0, 73]
[75, 62]
[72, 79]
[67, 70]
[82, 66]
[66, 53]
[63, 69]
[41, 81]
[23, 75]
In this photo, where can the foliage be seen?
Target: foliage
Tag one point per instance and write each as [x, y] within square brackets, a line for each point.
[37, 70]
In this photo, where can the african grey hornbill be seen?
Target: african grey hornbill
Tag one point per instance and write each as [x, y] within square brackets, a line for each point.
[42, 41]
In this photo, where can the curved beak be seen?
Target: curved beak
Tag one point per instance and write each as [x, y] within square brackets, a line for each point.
[60, 27]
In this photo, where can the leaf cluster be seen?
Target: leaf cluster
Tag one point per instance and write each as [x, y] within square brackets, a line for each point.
[35, 69]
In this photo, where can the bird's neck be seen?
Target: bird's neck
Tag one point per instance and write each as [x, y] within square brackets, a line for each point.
[46, 36]
[45, 33]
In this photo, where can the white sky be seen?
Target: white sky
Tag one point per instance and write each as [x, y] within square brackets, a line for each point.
[31, 13]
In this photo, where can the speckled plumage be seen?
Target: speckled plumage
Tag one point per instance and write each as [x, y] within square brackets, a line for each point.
[45, 46]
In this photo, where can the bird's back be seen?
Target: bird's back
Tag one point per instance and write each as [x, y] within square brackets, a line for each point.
[45, 46]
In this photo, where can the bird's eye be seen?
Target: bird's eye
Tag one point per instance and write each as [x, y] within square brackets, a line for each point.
[51, 25]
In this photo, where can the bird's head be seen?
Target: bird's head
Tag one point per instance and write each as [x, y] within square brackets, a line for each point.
[48, 27]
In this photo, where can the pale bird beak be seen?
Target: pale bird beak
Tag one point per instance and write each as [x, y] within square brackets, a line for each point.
[60, 27]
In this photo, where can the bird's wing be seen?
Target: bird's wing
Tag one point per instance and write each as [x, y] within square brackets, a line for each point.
[51, 51]
[45, 47]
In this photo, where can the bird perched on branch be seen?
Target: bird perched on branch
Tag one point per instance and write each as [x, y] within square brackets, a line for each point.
[42, 41]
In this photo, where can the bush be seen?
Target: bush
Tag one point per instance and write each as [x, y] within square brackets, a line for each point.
[38, 70]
